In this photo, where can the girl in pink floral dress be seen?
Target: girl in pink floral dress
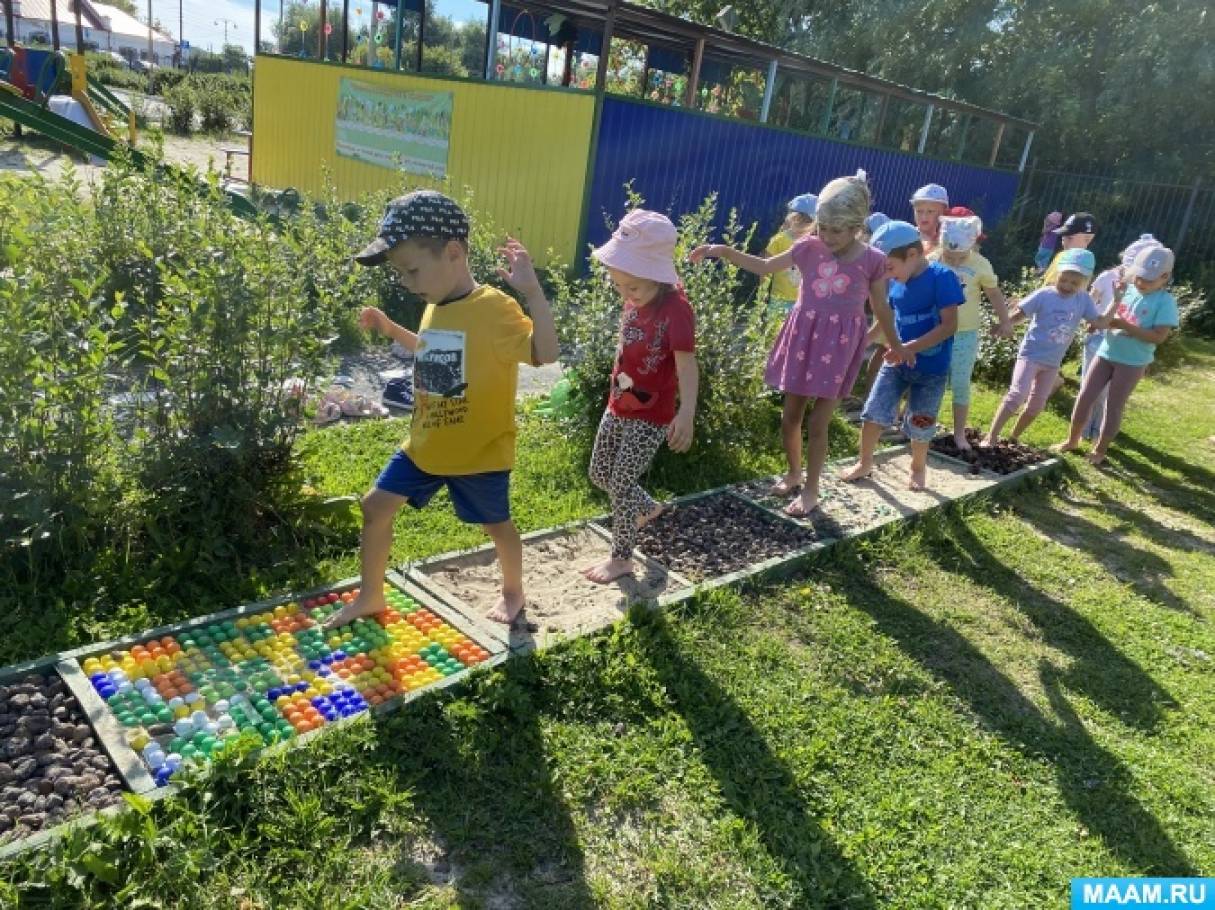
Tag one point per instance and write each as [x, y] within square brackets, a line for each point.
[819, 349]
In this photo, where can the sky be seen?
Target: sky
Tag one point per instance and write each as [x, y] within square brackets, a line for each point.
[200, 18]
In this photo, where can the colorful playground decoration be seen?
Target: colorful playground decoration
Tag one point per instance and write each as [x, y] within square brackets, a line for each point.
[268, 677]
[404, 131]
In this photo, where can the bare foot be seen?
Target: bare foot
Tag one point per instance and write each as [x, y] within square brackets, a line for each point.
[918, 480]
[1068, 446]
[643, 520]
[365, 604]
[988, 441]
[1096, 459]
[859, 471]
[960, 440]
[507, 608]
[802, 506]
[609, 570]
[787, 485]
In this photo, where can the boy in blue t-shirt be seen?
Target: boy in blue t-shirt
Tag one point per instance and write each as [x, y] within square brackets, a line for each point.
[925, 297]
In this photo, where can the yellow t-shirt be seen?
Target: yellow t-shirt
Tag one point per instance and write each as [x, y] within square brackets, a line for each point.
[975, 273]
[466, 371]
[785, 282]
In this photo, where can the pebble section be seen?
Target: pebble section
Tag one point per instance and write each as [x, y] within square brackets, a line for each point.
[271, 676]
[717, 535]
[51, 766]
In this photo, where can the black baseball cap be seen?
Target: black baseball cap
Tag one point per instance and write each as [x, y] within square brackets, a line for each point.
[422, 213]
[1079, 223]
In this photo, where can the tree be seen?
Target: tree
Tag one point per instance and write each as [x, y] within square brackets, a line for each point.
[1114, 84]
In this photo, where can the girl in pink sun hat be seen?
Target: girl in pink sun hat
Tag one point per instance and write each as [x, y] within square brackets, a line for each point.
[655, 380]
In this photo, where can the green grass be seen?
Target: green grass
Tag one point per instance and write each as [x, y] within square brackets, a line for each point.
[965, 712]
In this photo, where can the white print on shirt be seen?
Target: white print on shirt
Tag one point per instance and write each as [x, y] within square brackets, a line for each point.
[440, 365]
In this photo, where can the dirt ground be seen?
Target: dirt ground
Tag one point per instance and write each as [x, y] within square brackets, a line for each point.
[34, 154]
[559, 599]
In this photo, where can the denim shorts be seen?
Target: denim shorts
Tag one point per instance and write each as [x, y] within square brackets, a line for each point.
[924, 394]
[479, 499]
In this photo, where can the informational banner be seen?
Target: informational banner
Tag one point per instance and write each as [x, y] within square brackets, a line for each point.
[402, 131]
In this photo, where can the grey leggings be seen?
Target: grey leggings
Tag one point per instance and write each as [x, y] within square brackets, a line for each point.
[1120, 379]
[624, 448]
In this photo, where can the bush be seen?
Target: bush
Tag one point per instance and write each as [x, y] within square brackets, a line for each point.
[731, 349]
[1196, 304]
[144, 414]
[165, 79]
[182, 104]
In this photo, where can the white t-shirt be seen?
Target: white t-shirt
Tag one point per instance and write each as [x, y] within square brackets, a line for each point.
[1102, 289]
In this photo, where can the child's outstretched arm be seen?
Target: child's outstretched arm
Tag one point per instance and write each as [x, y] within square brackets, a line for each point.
[372, 318]
[1155, 335]
[999, 304]
[521, 276]
[679, 433]
[756, 265]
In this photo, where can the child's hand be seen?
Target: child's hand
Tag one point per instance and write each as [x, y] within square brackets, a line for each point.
[373, 319]
[1003, 329]
[897, 354]
[705, 250]
[521, 274]
[679, 432]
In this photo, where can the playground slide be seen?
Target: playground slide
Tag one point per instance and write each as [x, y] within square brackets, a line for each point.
[17, 108]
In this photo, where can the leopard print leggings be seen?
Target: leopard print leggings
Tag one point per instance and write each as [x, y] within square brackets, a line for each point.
[624, 448]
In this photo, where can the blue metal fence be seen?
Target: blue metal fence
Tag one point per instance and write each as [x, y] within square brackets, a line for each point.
[675, 158]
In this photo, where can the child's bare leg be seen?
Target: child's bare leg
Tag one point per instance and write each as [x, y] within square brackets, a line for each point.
[961, 413]
[870, 434]
[816, 456]
[793, 416]
[919, 465]
[1007, 408]
[872, 368]
[509, 548]
[379, 509]
[1027, 417]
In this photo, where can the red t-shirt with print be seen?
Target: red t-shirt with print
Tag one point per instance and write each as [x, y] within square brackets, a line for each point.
[644, 381]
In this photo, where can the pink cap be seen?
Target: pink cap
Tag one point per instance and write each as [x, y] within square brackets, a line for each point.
[643, 246]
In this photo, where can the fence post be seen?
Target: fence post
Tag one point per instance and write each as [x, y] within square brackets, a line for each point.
[491, 44]
[995, 145]
[826, 121]
[768, 89]
[1185, 219]
[924, 131]
[1029, 140]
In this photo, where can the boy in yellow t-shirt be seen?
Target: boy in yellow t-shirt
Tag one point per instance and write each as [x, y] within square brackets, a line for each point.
[799, 222]
[468, 348]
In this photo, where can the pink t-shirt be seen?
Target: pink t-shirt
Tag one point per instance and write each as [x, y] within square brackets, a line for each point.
[827, 282]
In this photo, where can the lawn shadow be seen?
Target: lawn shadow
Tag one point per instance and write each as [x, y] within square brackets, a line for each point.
[756, 784]
[483, 782]
[1093, 783]
[1143, 570]
[1194, 493]
[1097, 668]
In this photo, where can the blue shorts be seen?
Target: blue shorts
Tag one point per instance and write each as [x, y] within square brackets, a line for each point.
[479, 499]
[924, 394]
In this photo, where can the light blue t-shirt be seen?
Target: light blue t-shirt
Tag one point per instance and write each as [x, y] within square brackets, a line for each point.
[917, 309]
[1156, 309]
[1053, 320]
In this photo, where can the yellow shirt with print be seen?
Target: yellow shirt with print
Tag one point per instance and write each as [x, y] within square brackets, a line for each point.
[466, 371]
[975, 273]
[785, 282]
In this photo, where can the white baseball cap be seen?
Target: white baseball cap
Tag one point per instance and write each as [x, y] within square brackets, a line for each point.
[1151, 263]
[931, 192]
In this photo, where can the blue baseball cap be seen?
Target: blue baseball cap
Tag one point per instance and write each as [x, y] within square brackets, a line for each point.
[805, 204]
[1081, 261]
[894, 235]
[875, 221]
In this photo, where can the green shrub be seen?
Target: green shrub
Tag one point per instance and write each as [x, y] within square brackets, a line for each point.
[164, 79]
[731, 348]
[182, 104]
[1196, 304]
